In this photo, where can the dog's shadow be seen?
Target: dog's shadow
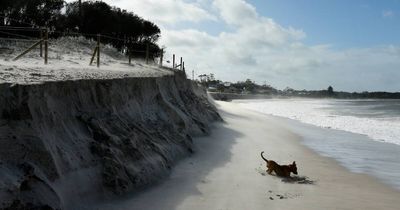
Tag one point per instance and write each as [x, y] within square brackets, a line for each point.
[290, 180]
[297, 180]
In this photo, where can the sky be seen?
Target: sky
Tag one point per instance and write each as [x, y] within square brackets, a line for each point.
[303, 44]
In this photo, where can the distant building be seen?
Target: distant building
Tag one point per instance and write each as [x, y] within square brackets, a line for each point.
[212, 89]
[227, 84]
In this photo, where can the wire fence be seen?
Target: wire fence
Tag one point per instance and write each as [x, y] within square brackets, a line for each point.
[39, 38]
[24, 34]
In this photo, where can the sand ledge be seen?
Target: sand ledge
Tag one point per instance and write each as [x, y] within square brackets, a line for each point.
[63, 143]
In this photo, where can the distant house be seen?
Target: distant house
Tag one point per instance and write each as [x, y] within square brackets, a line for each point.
[212, 89]
[227, 84]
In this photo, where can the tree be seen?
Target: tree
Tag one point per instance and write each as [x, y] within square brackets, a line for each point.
[212, 78]
[250, 85]
[330, 91]
[100, 18]
[32, 12]
[129, 32]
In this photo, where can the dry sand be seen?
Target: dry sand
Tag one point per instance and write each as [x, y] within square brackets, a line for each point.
[69, 59]
[226, 172]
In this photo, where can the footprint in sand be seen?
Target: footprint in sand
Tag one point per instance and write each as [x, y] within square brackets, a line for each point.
[282, 196]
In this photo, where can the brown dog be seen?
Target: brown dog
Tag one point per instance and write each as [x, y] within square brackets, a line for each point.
[283, 171]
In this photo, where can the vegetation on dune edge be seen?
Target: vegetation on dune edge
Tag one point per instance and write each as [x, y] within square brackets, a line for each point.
[129, 32]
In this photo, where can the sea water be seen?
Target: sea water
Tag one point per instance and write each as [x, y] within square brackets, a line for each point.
[378, 119]
[362, 135]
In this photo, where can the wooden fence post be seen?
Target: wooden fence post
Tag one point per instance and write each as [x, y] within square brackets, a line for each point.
[130, 57]
[183, 66]
[129, 52]
[94, 54]
[147, 53]
[41, 43]
[46, 46]
[173, 61]
[98, 50]
[27, 50]
[162, 57]
[180, 66]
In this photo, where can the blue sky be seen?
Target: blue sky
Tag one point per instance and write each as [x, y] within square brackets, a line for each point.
[343, 23]
[352, 45]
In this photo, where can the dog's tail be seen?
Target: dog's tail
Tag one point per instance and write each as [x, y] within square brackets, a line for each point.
[263, 157]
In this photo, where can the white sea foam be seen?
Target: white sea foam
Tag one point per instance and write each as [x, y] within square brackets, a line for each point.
[329, 114]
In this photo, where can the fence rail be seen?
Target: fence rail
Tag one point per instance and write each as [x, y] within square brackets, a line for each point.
[40, 38]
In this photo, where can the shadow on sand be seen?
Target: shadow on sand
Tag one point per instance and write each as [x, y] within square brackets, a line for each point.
[290, 180]
[298, 180]
[227, 114]
[211, 152]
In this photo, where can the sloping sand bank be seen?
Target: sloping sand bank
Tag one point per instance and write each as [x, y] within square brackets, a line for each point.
[63, 143]
[226, 172]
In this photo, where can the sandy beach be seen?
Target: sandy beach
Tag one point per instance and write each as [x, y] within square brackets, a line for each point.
[226, 172]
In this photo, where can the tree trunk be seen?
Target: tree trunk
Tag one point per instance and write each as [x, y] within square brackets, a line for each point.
[2, 20]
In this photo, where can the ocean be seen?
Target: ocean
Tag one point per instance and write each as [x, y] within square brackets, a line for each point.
[362, 135]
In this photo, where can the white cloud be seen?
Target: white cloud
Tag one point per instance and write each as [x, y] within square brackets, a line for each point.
[164, 12]
[387, 13]
[189, 37]
[236, 12]
[257, 47]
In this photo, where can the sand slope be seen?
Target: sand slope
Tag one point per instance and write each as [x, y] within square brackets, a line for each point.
[62, 143]
[226, 172]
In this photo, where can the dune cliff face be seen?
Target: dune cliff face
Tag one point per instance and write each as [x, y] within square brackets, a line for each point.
[61, 142]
